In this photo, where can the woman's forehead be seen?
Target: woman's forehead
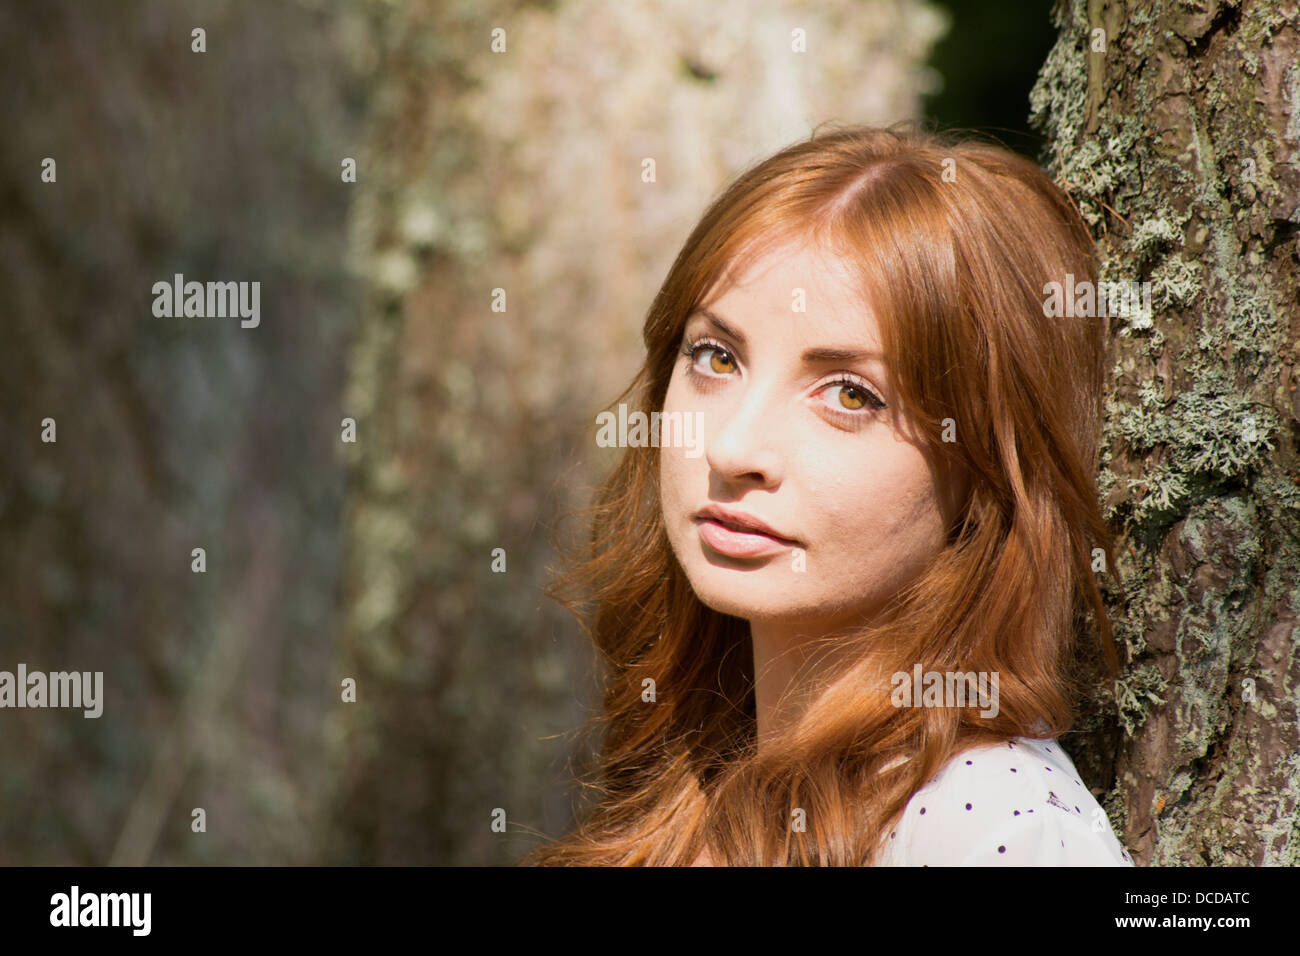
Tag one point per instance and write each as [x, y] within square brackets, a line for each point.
[786, 253]
[819, 292]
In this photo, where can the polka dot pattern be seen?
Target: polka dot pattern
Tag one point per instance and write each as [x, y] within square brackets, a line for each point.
[1018, 803]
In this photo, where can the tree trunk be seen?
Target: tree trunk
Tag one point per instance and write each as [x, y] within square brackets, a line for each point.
[522, 169]
[1175, 130]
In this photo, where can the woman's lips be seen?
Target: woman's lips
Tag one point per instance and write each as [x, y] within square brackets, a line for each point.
[739, 544]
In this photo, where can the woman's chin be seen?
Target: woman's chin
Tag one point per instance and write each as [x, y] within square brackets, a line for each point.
[748, 594]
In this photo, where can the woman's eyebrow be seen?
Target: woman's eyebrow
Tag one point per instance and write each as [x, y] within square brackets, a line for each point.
[723, 327]
[830, 354]
[809, 356]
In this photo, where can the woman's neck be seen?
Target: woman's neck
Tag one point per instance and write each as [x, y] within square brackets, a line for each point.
[791, 664]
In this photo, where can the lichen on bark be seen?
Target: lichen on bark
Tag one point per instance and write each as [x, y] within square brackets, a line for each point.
[1176, 138]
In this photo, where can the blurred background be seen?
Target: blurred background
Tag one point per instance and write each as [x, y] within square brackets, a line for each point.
[474, 411]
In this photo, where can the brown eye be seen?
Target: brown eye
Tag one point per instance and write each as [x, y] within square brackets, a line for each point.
[852, 398]
[721, 358]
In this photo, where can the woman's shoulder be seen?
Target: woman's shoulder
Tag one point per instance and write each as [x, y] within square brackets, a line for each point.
[1019, 802]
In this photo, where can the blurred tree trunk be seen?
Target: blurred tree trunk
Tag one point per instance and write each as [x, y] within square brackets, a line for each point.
[1175, 129]
[172, 433]
[519, 169]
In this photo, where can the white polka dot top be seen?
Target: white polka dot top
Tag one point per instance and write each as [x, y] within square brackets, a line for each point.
[1016, 803]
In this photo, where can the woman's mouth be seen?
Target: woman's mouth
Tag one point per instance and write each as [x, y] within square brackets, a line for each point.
[736, 542]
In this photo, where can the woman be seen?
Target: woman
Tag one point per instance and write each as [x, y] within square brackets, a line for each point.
[891, 502]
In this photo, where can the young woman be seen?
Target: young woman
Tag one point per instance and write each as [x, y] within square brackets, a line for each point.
[843, 628]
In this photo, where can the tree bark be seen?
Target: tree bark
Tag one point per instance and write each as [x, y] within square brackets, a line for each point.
[1174, 126]
[522, 169]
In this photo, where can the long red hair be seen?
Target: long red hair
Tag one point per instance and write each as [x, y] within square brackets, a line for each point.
[954, 242]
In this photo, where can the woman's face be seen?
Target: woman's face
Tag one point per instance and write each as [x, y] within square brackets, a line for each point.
[793, 436]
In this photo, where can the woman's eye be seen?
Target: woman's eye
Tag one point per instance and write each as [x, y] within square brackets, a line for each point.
[720, 362]
[853, 397]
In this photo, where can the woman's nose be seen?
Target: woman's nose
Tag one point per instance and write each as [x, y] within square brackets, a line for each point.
[744, 439]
